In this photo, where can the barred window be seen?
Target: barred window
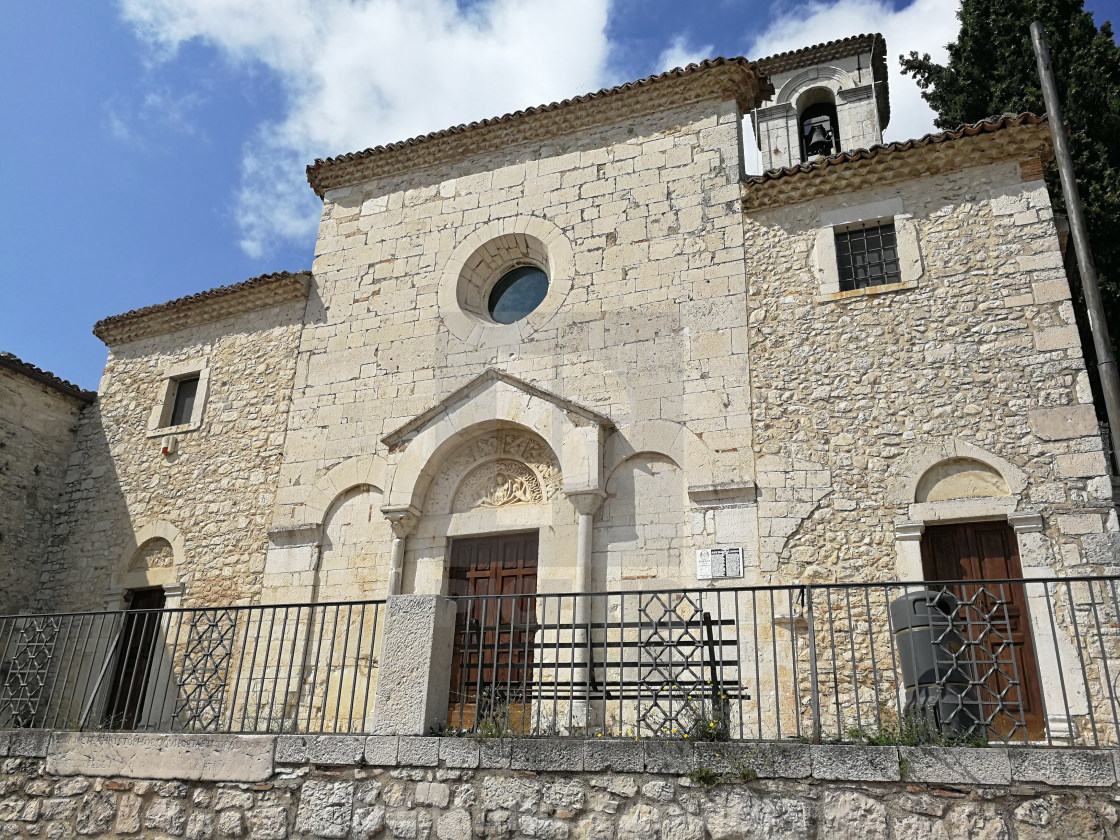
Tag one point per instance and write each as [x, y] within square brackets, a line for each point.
[867, 256]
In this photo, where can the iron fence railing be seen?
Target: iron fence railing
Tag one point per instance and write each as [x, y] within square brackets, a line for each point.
[284, 668]
[968, 662]
[1032, 661]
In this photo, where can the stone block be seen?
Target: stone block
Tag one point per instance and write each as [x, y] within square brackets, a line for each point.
[381, 750]
[459, 752]
[418, 752]
[855, 763]
[292, 749]
[547, 754]
[29, 743]
[336, 749]
[675, 757]
[956, 765]
[5, 741]
[1063, 423]
[412, 687]
[1077, 768]
[325, 808]
[208, 758]
[494, 753]
[614, 754]
[1081, 465]
[1051, 291]
[768, 759]
[1057, 338]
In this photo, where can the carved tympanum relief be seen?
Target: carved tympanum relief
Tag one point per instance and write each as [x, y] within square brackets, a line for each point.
[497, 484]
[498, 469]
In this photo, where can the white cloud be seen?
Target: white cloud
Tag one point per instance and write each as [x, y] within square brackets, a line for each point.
[680, 54]
[923, 26]
[359, 73]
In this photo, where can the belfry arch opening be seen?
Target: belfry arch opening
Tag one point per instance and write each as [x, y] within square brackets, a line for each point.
[818, 127]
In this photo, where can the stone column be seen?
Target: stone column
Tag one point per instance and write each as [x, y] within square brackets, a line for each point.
[587, 504]
[403, 522]
[415, 664]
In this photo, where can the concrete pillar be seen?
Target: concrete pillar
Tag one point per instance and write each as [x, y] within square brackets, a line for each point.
[415, 664]
[403, 522]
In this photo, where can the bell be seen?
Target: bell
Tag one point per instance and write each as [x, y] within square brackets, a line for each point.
[820, 141]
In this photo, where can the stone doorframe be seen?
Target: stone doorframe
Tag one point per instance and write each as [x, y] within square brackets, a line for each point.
[488, 402]
[1035, 555]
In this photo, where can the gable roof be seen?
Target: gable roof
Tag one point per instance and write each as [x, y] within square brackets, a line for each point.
[401, 435]
[713, 78]
[1009, 137]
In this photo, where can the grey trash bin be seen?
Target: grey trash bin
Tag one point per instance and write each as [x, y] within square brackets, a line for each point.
[936, 673]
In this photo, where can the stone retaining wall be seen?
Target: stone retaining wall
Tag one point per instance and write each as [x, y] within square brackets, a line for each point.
[158, 786]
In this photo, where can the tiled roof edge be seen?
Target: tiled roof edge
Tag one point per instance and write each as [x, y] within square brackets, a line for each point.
[764, 190]
[203, 307]
[317, 170]
[44, 377]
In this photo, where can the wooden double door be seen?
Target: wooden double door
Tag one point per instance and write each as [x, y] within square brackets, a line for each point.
[494, 580]
[993, 618]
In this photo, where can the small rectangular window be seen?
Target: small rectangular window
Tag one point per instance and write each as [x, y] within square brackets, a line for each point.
[185, 390]
[867, 256]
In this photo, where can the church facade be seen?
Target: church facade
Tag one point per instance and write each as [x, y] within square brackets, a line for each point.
[580, 339]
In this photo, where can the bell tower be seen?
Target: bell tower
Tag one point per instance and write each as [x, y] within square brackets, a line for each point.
[828, 98]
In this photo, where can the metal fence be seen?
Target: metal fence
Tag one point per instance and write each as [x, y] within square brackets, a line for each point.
[1015, 661]
[969, 662]
[285, 668]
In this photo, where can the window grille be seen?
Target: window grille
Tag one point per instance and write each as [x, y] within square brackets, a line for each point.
[867, 256]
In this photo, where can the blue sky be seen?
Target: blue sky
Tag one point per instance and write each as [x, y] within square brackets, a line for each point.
[154, 148]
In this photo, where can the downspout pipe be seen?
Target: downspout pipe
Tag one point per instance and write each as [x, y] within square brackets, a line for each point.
[1102, 344]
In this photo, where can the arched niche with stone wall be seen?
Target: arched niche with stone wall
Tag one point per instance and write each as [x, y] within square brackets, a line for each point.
[151, 558]
[354, 548]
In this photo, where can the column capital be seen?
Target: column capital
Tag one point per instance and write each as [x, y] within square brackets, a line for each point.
[586, 502]
[1024, 523]
[909, 531]
[402, 519]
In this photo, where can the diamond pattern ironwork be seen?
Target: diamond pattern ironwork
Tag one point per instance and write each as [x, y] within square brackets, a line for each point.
[26, 674]
[204, 669]
[672, 663]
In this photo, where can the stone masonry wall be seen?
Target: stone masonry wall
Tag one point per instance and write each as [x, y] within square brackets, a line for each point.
[850, 388]
[456, 789]
[651, 213]
[37, 432]
[216, 491]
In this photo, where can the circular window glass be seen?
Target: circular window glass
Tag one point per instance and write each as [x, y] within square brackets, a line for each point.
[518, 293]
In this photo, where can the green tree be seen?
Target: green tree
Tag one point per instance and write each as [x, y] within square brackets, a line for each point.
[991, 71]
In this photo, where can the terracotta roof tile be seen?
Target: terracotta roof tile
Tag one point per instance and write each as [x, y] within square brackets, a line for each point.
[210, 305]
[857, 165]
[317, 170]
[45, 377]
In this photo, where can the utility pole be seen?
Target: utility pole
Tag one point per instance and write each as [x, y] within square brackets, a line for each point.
[1106, 360]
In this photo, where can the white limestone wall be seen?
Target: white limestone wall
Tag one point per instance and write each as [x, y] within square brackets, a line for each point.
[643, 217]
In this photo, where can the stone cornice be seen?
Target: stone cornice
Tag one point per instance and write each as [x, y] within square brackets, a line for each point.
[989, 141]
[717, 79]
[405, 433]
[204, 307]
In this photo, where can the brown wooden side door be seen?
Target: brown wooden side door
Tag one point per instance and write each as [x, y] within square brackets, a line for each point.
[135, 652]
[994, 617]
[492, 666]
